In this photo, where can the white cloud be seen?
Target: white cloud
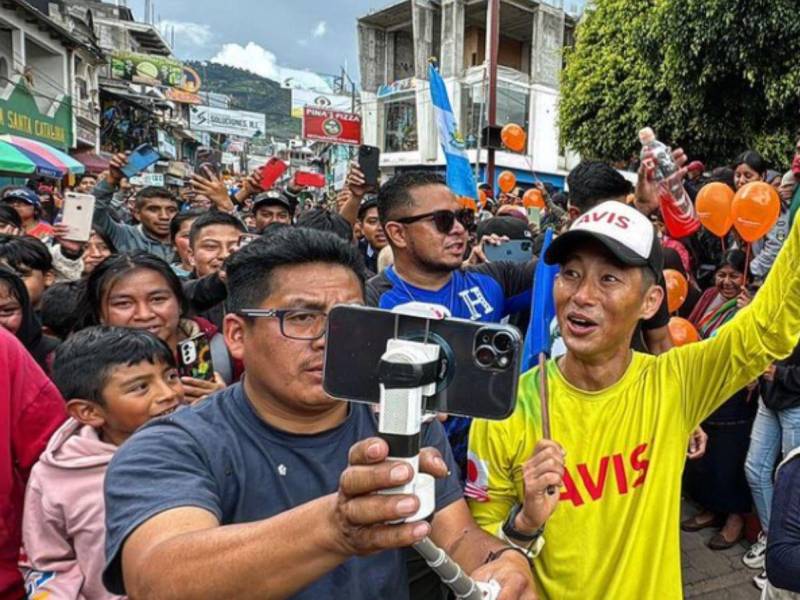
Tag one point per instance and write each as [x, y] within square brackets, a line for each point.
[320, 29]
[259, 60]
[187, 33]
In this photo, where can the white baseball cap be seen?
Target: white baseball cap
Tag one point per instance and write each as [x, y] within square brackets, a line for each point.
[624, 231]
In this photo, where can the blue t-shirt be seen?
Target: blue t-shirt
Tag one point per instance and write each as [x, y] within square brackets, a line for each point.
[487, 292]
[221, 456]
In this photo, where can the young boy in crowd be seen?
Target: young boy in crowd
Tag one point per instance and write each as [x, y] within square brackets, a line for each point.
[114, 380]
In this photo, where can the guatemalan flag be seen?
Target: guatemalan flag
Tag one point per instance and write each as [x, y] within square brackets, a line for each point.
[459, 172]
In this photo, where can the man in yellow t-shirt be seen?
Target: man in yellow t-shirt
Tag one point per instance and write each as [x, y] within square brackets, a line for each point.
[622, 418]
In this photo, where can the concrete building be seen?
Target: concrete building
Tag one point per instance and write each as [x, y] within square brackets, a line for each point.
[395, 44]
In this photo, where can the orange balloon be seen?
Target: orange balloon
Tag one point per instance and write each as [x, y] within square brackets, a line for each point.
[677, 289]
[682, 332]
[714, 208]
[755, 209]
[506, 181]
[468, 203]
[513, 137]
[533, 198]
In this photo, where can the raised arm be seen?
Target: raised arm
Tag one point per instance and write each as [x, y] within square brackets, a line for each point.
[103, 220]
[763, 332]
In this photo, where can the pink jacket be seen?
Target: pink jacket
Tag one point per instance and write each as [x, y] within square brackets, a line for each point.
[63, 526]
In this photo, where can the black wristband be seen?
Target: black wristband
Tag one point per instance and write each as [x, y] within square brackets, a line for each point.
[496, 554]
[510, 530]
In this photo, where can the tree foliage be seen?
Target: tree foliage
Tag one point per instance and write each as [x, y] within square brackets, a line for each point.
[714, 76]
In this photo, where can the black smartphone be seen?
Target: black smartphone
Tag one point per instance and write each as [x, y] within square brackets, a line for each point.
[513, 250]
[369, 158]
[141, 158]
[206, 157]
[194, 358]
[479, 368]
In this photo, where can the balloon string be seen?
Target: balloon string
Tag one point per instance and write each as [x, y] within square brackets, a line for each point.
[746, 262]
[722, 241]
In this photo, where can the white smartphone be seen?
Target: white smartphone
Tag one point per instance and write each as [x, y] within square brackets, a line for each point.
[77, 214]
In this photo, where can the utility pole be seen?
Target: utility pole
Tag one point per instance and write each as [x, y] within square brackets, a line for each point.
[494, 47]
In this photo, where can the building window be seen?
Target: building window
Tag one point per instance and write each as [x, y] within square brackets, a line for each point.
[513, 104]
[400, 124]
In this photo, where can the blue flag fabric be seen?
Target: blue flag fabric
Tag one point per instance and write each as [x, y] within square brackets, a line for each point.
[460, 178]
[543, 309]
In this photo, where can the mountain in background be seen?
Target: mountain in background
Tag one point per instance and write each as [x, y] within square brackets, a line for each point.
[252, 92]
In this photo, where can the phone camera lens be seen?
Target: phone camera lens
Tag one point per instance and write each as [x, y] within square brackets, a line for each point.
[502, 341]
[485, 355]
[503, 362]
[485, 338]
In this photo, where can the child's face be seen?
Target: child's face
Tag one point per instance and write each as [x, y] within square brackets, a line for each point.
[36, 282]
[135, 394]
[10, 310]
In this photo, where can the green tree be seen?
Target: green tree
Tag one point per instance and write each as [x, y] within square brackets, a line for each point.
[715, 76]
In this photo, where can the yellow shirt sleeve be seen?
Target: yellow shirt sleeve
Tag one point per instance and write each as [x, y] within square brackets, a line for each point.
[767, 330]
[497, 449]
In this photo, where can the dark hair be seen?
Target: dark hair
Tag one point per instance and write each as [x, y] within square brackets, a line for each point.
[250, 269]
[154, 191]
[723, 175]
[59, 305]
[325, 220]
[593, 182]
[394, 194]
[114, 268]
[213, 217]
[181, 218]
[25, 252]
[85, 176]
[752, 159]
[106, 240]
[85, 361]
[9, 216]
[734, 259]
[365, 206]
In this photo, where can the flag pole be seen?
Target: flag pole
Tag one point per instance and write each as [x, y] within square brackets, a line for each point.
[544, 399]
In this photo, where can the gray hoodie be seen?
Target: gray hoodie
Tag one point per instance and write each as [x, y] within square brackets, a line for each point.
[125, 238]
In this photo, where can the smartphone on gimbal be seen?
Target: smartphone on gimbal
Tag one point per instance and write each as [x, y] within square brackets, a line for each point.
[479, 362]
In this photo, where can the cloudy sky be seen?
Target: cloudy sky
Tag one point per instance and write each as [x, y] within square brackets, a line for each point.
[274, 38]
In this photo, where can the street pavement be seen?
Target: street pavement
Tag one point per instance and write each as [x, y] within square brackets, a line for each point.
[714, 575]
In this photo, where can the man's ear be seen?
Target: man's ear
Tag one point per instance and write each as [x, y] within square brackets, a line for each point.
[573, 212]
[190, 255]
[653, 298]
[233, 330]
[49, 278]
[86, 412]
[396, 234]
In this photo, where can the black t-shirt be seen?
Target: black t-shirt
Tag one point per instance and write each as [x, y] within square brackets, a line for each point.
[221, 456]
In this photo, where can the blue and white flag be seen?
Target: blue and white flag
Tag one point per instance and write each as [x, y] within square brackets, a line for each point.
[460, 178]
[543, 309]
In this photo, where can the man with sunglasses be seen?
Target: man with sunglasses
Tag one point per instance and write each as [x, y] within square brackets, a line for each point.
[428, 230]
[267, 489]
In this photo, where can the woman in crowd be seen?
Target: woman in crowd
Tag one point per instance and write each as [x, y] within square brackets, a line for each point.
[142, 291]
[749, 167]
[18, 317]
[179, 230]
[97, 249]
[716, 481]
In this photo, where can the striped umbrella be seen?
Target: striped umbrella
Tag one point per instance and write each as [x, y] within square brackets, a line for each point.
[13, 161]
[49, 161]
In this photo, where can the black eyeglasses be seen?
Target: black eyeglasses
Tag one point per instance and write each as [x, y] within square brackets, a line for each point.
[295, 323]
[444, 220]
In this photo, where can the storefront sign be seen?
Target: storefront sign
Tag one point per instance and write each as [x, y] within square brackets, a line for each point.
[230, 122]
[331, 126]
[179, 169]
[148, 179]
[154, 70]
[20, 115]
[303, 98]
[182, 97]
[402, 85]
[166, 145]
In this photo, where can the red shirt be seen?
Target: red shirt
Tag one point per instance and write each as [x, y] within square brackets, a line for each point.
[31, 409]
[42, 229]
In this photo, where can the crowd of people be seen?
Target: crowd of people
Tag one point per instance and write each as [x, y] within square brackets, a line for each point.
[125, 473]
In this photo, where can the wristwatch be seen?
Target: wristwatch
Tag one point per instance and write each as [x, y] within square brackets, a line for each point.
[509, 531]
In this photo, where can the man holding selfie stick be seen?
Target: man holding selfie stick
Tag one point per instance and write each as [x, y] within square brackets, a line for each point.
[623, 418]
[195, 502]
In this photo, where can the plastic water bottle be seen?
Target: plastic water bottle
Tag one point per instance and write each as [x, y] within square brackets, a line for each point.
[677, 210]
